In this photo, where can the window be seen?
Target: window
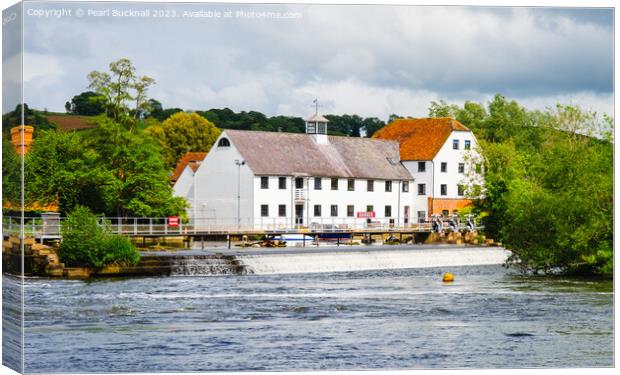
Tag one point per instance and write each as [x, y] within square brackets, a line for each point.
[405, 186]
[421, 189]
[282, 210]
[334, 184]
[444, 189]
[299, 183]
[223, 142]
[467, 145]
[317, 210]
[264, 182]
[388, 186]
[317, 183]
[370, 185]
[461, 190]
[455, 144]
[461, 167]
[444, 167]
[421, 216]
[388, 211]
[264, 210]
[351, 185]
[421, 166]
[334, 210]
[350, 210]
[282, 183]
[370, 208]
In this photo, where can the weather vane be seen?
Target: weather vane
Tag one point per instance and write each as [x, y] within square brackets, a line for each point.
[316, 105]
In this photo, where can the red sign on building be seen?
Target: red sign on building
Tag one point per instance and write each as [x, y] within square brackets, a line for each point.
[365, 214]
[173, 221]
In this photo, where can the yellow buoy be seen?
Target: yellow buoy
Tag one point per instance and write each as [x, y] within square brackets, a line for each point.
[448, 277]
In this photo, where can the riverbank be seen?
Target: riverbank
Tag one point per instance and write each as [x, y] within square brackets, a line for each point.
[246, 261]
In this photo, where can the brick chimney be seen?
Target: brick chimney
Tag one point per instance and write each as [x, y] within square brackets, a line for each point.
[21, 144]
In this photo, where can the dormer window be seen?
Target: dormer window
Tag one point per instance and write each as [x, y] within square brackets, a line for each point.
[224, 142]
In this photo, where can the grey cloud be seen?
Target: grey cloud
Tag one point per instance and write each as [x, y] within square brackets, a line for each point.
[449, 51]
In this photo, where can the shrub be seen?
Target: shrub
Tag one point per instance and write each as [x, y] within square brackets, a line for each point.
[81, 238]
[86, 243]
[120, 250]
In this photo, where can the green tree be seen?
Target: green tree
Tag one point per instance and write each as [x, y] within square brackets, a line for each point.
[122, 88]
[181, 133]
[442, 109]
[371, 125]
[87, 103]
[59, 168]
[11, 173]
[139, 184]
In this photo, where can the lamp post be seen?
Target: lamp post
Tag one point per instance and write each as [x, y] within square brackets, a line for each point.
[239, 163]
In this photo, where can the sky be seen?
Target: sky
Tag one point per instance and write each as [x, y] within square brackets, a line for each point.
[369, 60]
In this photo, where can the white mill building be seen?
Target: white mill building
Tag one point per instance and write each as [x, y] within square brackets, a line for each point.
[269, 180]
[272, 180]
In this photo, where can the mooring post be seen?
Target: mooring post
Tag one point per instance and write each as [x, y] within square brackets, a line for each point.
[303, 236]
[202, 242]
[338, 241]
[228, 238]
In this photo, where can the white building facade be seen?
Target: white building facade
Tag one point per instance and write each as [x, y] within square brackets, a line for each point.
[442, 157]
[410, 170]
[252, 180]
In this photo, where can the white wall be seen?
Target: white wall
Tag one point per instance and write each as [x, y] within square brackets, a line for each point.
[326, 197]
[452, 178]
[216, 188]
[184, 183]
[420, 202]
[433, 178]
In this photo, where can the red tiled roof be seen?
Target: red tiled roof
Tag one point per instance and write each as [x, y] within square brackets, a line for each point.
[420, 139]
[193, 159]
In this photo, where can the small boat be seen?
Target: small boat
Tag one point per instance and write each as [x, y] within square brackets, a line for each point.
[295, 239]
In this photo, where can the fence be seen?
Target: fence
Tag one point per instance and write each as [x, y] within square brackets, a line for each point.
[161, 226]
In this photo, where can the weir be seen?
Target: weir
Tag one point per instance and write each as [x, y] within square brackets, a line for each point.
[191, 265]
[335, 261]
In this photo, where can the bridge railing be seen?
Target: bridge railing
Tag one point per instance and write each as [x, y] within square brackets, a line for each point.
[162, 226]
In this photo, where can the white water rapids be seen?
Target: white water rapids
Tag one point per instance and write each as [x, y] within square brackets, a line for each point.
[342, 261]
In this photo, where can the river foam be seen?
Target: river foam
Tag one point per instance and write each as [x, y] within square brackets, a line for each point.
[340, 261]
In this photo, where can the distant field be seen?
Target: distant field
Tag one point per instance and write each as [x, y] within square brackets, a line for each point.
[71, 122]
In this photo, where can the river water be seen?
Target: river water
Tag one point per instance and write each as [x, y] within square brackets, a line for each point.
[389, 319]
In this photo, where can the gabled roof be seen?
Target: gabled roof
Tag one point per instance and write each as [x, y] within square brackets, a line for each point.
[316, 118]
[193, 159]
[293, 154]
[420, 139]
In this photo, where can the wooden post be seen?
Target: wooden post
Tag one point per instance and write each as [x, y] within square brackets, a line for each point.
[228, 238]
